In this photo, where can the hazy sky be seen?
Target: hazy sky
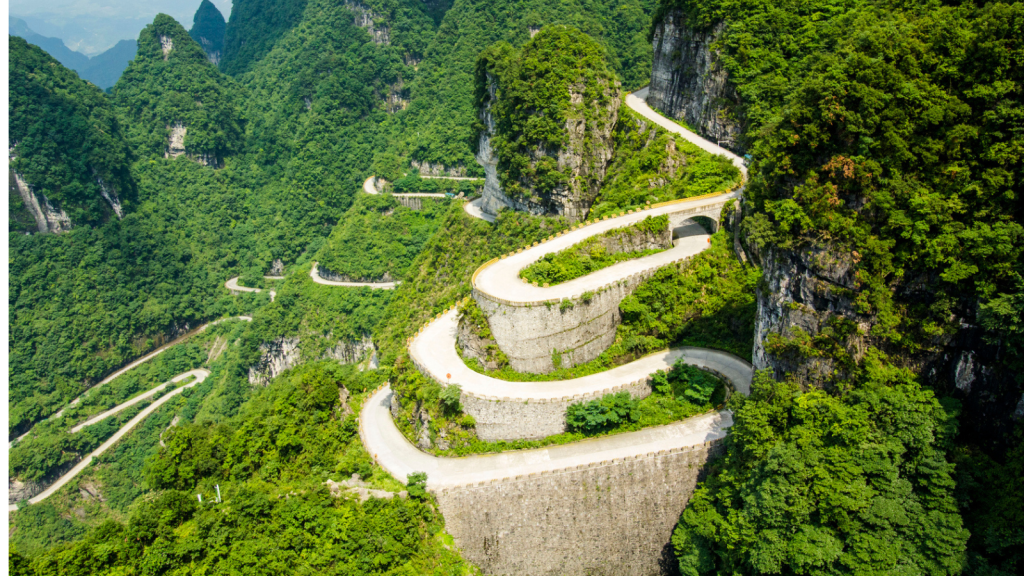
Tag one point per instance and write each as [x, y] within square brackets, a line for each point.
[91, 26]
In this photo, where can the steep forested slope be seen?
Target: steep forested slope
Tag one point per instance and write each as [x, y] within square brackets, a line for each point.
[253, 28]
[175, 101]
[67, 144]
[884, 206]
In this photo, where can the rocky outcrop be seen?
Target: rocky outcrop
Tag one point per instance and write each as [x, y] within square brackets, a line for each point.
[276, 268]
[355, 485]
[48, 218]
[286, 353]
[333, 276]
[18, 491]
[166, 45]
[176, 140]
[275, 358]
[110, 195]
[439, 170]
[371, 22]
[176, 147]
[689, 82]
[584, 159]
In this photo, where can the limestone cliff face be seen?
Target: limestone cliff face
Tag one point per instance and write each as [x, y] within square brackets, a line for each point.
[689, 83]
[47, 217]
[809, 290]
[584, 159]
[286, 353]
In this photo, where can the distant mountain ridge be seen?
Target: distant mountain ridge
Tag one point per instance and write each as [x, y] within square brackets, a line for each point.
[103, 70]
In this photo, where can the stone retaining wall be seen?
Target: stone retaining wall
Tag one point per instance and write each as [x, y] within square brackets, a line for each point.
[518, 418]
[608, 518]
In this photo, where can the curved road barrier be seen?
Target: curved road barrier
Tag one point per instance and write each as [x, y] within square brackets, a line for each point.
[315, 275]
[200, 374]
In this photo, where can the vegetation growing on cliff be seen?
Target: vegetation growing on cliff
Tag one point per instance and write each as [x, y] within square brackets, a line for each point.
[653, 165]
[593, 254]
[443, 110]
[66, 141]
[553, 95]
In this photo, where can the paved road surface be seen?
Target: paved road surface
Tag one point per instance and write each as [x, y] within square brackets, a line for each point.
[233, 285]
[638, 102]
[434, 352]
[501, 279]
[141, 397]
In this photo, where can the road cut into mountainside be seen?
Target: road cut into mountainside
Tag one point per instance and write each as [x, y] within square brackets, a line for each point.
[315, 275]
[141, 360]
[200, 375]
[370, 187]
[602, 505]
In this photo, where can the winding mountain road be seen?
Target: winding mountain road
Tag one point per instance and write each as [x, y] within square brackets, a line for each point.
[200, 375]
[434, 353]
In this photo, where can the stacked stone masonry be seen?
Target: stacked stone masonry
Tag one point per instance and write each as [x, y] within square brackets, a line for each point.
[608, 518]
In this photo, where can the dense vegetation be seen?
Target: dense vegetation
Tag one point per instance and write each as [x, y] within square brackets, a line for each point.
[557, 80]
[440, 276]
[653, 165]
[708, 302]
[172, 83]
[886, 136]
[66, 140]
[821, 484]
[680, 393]
[442, 110]
[275, 514]
[50, 447]
[379, 238]
[600, 251]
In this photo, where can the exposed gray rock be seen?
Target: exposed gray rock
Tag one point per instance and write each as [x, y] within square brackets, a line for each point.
[176, 140]
[356, 486]
[428, 169]
[166, 45]
[371, 22]
[48, 218]
[328, 274]
[688, 81]
[285, 353]
[276, 268]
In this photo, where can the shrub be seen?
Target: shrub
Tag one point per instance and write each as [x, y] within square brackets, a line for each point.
[600, 415]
